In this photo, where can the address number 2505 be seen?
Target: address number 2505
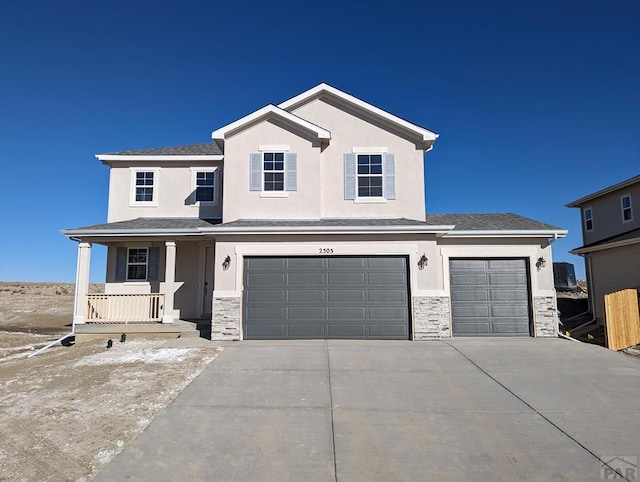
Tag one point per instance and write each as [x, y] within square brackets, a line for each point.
[325, 250]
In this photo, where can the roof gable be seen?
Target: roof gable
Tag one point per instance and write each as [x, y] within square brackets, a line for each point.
[602, 192]
[428, 137]
[264, 113]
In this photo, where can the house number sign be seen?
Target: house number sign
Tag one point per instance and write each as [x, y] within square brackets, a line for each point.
[325, 250]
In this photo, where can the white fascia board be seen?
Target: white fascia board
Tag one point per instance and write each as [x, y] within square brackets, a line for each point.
[506, 234]
[602, 247]
[220, 134]
[428, 137]
[75, 233]
[169, 157]
[438, 230]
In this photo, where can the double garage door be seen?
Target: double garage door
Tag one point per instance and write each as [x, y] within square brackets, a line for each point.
[490, 297]
[326, 297]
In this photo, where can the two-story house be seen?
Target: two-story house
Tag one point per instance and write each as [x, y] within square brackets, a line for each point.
[307, 220]
[611, 241]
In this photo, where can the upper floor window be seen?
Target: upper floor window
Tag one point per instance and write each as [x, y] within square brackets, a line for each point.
[205, 182]
[144, 186]
[273, 167]
[627, 210]
[273, 173]
[369, 175]
[588, 219]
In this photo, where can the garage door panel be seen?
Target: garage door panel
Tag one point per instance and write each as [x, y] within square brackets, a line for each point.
[490, 297]
[374, 295]
[469, 264]
[337, 279]
[304, 263]
[479, 279]
[266, 279]
[346, 313]
[518, 279]
[337, 296]
[475, 295]
[296, 296]
[334, 297]
[341, 330]
[266, 296]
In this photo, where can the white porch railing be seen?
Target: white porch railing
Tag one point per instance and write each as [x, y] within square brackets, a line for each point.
[114, 308]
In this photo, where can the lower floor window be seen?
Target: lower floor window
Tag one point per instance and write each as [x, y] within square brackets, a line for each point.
[137, 261]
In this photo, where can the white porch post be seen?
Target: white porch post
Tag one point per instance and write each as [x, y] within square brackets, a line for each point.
[82, 282]
[169, 281]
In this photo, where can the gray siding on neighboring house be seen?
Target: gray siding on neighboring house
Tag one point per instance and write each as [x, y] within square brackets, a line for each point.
[614, 269]
[607, 214]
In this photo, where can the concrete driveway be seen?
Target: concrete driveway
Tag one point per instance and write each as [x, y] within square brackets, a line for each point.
[461, 409]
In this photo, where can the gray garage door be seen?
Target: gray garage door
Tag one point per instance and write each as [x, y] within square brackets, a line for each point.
[490, 297]
[326, 297]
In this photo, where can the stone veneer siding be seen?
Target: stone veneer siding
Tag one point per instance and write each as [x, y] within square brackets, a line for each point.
[431, 317]
[225, 322]
[544, 312]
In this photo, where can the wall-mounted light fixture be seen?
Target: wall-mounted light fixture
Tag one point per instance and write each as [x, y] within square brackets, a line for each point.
[226, 263]
[541, 263]
[423, 261]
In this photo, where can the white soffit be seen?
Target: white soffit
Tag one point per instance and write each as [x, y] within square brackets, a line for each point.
[221, 133]
[428, 137]
[166, 157]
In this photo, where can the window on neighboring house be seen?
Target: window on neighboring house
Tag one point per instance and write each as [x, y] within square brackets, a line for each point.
[273, 168]
[144, 186]
[137, 262]
[588, 219]
[205, 186]
[370, 175]
[627, 210]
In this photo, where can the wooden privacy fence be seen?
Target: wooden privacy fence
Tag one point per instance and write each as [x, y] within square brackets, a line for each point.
[622, 319]
[101, 308]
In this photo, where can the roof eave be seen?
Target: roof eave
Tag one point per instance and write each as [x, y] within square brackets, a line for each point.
[221, 133]
[602, 247]
[437, 230]
[602, 192]
[107, 158]
[507, 233]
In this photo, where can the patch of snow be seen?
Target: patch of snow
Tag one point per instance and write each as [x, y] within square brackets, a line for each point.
[144, 351]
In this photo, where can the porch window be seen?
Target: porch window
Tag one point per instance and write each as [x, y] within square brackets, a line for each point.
[205, 181]
[137, 263]
[627, 212]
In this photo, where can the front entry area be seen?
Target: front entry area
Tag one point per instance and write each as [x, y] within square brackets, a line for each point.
[363, 297]
[490, 297]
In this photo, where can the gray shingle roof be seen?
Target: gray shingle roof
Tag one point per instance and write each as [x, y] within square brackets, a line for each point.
[629, 235]
[326, 222]
[151, 223]
[488, 222]
[206, 149]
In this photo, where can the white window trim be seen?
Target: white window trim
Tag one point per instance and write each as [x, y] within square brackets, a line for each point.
[273, 148]
[274, 193]
[630, 208]
[216, 186]
[146, 264]
[156, 187]
[370, 150]
[584, 217]
[370, 199]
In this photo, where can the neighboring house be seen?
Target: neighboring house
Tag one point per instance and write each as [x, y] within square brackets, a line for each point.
[611, 237]
[307, 220]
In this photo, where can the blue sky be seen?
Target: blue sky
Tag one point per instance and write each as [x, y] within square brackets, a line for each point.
[536, 103]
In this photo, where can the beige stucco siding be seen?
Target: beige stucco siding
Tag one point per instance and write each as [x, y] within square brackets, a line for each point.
[351, 129]
[607, 214]
[174, 184]
[612, 270]
[240, 202]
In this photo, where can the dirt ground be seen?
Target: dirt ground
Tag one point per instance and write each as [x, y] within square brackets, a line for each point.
[67, 412]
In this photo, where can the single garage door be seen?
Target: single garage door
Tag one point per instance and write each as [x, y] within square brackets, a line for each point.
[490, 297]
[326, 297]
